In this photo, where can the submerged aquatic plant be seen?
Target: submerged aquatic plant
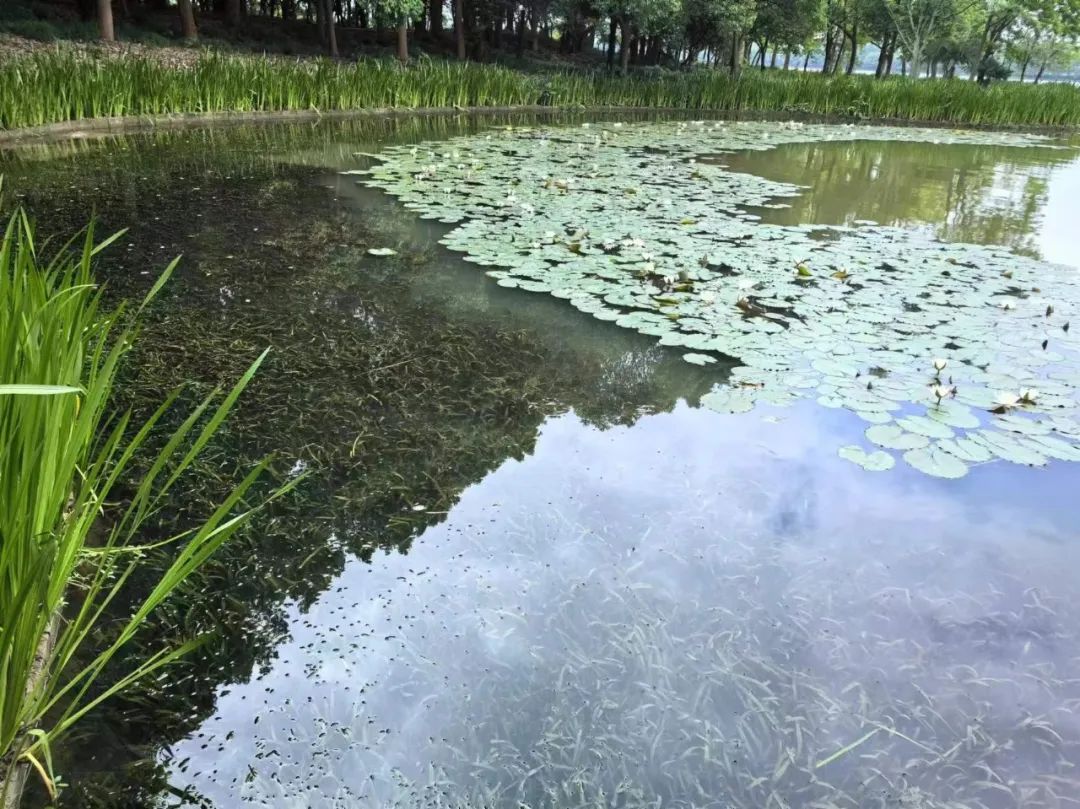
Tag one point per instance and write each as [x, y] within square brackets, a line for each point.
[655, 238]
[577, 655]
[66, 549]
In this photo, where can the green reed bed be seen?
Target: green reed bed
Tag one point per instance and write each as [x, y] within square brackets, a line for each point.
[78, 484]
[59, 86]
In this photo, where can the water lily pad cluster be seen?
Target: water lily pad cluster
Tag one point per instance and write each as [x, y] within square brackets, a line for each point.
[954, 354]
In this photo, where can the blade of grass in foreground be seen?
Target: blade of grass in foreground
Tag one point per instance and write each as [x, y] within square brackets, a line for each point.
[63, 454]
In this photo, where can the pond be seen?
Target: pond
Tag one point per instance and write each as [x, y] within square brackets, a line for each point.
[631, 483]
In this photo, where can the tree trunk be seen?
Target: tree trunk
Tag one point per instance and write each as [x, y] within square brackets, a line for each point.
[889, 61]
[829, 47]
[1023, 70]
[522, 21]
[627, 44]
[459, 29]
[736, 60]
[839, 55]
[403, 40]
[772, 62]
[435, 9]
[787, 58]
[326, 26]
[1038, 76]
[105, 21]
[915, 67]
[883, 58]
[612, 30]
[806, 62]
[187, 19]
[854, 49]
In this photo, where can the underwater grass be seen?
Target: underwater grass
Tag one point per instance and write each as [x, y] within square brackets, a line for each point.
[66, 548]
[58, 86]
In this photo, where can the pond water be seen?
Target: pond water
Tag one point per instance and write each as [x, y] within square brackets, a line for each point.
[530, 566]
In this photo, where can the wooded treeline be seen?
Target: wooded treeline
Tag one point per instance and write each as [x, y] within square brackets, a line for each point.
[986, 39]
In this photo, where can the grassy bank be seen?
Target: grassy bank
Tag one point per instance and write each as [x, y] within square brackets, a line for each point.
[56, 86]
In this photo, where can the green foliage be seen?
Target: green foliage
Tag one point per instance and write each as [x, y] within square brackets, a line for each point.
[66, 551]
[623, 223]
[54, 87]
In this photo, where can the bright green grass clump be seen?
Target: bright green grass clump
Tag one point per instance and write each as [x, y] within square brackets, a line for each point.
[67, 545]
[57, 86]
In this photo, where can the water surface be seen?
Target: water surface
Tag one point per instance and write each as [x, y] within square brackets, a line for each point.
[529, 568]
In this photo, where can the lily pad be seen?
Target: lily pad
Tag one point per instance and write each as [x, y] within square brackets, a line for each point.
[936, 462]
[879, 319]
[728, 401]
[891, 436]
[876, 461]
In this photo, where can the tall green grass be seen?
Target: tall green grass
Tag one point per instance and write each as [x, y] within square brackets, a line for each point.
[67, 547]
[60, 86]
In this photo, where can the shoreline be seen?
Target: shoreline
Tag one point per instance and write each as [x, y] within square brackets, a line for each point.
[88, 128]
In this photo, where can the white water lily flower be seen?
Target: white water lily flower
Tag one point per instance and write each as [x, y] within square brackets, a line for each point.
[648, 266]
[939, 364]
[943, 391]
[1028, 395]
[1007, 399]
[708, 296]
[746, 283]
[549, 234]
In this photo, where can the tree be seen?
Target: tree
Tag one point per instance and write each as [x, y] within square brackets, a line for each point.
[105, 20]
[917, 23]
[234, 12]
[998, 17]
[459, 28]
[324, 20]
[720, 24]
[188, 30]
[400, 12]
[1044, 35]
[787, 25]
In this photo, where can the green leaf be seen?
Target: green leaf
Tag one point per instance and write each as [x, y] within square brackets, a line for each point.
[936, 462]
[37, 390]
[890, 436]
[876, 461]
